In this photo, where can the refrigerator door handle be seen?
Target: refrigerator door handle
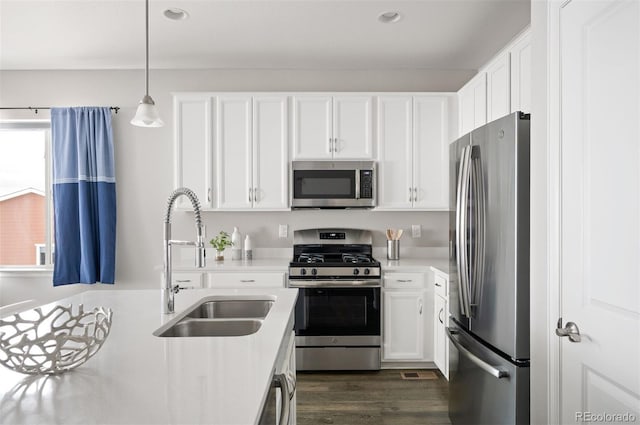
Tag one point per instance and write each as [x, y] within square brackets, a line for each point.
[477, 185]
[491, 370]
[462, 197]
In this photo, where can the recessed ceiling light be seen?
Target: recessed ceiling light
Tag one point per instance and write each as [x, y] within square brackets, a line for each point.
[389, 17]
[176, 14]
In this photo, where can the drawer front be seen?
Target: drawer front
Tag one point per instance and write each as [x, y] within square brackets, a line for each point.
[246, 280]
[403, 280]
[441, 286]
[187, 279]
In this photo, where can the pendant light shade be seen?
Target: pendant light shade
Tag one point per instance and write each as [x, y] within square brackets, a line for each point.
[147, 113]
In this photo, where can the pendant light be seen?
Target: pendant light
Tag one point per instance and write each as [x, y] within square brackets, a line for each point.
[147, 113]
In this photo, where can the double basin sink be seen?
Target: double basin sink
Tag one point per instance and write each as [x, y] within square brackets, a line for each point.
[218, 316]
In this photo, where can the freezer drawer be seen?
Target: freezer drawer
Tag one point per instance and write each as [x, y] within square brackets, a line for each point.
[484, 387]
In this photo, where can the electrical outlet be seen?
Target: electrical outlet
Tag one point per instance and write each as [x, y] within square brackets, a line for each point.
[283, 231]
[416, 231]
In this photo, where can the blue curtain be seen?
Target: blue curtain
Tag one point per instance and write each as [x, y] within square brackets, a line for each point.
[84, 195]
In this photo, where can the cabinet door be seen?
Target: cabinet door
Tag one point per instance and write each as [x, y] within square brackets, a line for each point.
[440, 341]
[521, 75]
[498, 92]
[352, 127]
[312, 133]
[430, 153]
[395, 151]
[403, 337]
[193, 115]
[270, 153]
[233, 152]
[473, 104]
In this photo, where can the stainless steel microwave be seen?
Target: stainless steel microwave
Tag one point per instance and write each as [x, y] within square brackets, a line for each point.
[333, 184]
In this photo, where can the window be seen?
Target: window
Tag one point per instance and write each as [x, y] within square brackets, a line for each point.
[26, 213]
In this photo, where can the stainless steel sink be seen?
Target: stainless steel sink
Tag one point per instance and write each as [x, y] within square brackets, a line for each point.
[219, 316]
[207, 327]
[231, 309]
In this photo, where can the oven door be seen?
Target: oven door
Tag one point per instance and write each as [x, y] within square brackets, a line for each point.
[336, 313]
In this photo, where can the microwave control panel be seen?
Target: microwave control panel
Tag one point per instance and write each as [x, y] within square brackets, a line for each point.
[366, 184]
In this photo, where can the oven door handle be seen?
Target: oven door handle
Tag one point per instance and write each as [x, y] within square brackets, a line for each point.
[374, 283]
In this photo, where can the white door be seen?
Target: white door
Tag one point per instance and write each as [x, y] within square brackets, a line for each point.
[192, 147]
[600, 209]
[233, 152]
[403, 325]
[521, 75]
[430, 153]
[440, 341]
[270, 152]
[395, 152]
[352, 127]
[312, 136]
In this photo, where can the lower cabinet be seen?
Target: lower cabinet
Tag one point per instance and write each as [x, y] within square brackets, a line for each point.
[440, 323]
[407, 333]
[287, 367]
[246, 279]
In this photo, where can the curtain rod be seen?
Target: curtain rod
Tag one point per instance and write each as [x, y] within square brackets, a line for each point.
[35, 108]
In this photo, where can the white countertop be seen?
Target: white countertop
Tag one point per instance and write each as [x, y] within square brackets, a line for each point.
[138, 378]
[228, 265]
[416, 264]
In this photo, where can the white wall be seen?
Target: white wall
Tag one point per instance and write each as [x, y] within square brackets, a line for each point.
[144, 159]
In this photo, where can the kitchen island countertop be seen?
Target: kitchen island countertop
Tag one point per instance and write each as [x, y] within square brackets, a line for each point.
[138, 378]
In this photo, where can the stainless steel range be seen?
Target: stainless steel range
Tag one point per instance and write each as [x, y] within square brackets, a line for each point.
[337, 318]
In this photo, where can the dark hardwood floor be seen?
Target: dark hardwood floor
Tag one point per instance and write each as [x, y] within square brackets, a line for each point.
[372, 398]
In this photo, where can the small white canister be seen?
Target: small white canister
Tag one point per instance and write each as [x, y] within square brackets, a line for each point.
[248, 248]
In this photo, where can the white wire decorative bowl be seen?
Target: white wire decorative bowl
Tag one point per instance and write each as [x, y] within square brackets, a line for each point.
[35, 343]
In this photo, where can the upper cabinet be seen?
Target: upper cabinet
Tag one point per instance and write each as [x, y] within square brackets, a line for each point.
[498, 88]
[232, 150]
[473, 103]
[332, 127]
[521, 74]
[193, 144]
[501, 87]
[413, 152]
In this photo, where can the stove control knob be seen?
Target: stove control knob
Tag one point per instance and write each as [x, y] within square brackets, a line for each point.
[356, 271]
[314, 271]
[303, 272]
[367, 271]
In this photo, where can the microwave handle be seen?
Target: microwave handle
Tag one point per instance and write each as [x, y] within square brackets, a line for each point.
[357, 183]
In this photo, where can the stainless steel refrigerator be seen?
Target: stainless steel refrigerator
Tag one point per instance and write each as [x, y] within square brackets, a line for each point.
[489, 280]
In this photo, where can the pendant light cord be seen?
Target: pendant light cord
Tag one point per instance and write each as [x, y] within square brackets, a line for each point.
[146, 68]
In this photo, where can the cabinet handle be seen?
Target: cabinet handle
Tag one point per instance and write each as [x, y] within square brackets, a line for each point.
[255, 194]
[247, 280]
[415, 197]
[250, 194]
[440, 315]
[183, 280]
[209, 195]
[420, 306]
[438, 285]
[410, 197]
[330, 144]
[335, 144]
[404, 280]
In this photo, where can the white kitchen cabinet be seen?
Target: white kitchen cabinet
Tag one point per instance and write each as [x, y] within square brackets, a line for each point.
[473, 103]
[252, 152]
[246, 279]
[193, 133]
[287, 366]
[413, 152]
[233, 152]
[440, 322]
[270, 169]
[407, 329]
[498, 87]
[326, 127]
[521, 74]
[187, 280]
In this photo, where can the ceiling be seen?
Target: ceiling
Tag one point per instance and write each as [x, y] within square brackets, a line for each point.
[263, 34]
